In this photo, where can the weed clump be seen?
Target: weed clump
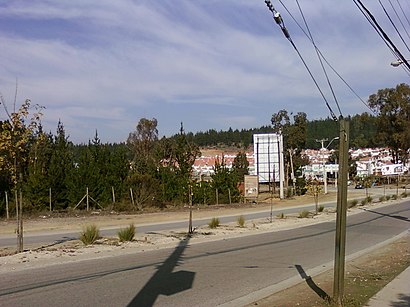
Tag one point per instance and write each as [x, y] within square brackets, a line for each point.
[214, 223]
[321, 208]
[241, 221]
[281, 216]
[304, 214]
[90, 234]
[353, 203]
[127, 234]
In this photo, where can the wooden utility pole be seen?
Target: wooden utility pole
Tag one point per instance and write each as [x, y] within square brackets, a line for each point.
[190, 229]
[340, 240]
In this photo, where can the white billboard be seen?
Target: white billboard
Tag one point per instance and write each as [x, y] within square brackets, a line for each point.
[393, 169]
[266, 150]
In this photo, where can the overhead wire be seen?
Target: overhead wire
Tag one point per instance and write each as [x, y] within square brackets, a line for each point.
[393, 24]
[404, 14]
[279, 21]
[398, 17]
[369, 16]
[326, 61]
[320, 59]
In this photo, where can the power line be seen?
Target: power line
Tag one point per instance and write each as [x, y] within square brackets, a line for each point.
[320, 59]
[327, 62]
[394, 26]
[279, 21]
[401, 8]
[369, 16]
[398, 17]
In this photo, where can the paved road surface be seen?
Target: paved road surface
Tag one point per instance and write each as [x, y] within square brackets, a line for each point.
[206, 274]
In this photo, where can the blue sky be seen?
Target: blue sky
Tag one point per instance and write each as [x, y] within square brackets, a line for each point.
[211, 64]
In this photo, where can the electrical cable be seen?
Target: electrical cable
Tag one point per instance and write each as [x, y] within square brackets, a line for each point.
[394, 26]
[326, 61]
[381, 31]
[401, 8]
[320, 59]
[398, 17]
[279, 21]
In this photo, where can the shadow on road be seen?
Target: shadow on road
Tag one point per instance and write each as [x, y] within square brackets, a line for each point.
[312, 284]
[399, 217]
[164, 281]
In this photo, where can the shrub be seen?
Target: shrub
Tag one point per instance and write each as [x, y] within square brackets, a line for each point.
[394, 197]
[404, 194]
[321, 208]
[241, 221]
[127, 234]
[363, 202]
[214, 223]
[369, 199]
[382, 198]
[388, 197]
[353, 203]
[90, 234]
[281, 216]
[303, 214]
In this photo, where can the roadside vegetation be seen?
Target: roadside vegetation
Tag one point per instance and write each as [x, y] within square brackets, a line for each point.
[127, 234]
[90, 234]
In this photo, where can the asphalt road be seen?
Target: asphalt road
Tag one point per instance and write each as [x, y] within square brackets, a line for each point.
[207, 274]
[55, 237]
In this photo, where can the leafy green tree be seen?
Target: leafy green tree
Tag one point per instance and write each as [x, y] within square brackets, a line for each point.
[224, 180]
[393, 106]
[37, 184]
[240, 166]
[60, 168]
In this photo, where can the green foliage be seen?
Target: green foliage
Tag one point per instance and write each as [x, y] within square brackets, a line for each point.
[321, 208]
[363, 202]
[225, 182]
[353, 203]
[388, 197]
[404, 194]
[214, 223]
[241, 221]
[240, 166]
[90, 234]
[369, 199]
[393, 107]
[304, 214]
[281, 216]
[127, 234]
[382, 198]
[394, 197]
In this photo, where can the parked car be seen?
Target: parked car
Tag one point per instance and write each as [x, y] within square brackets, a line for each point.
[359, 186]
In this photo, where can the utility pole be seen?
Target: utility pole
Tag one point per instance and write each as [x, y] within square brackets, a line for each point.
[324, 174]
[340, 239]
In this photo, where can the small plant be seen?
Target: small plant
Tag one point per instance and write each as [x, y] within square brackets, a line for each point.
[388, 197]
[281, 216]
[363, 202]
[241, 221]
[394, 197]
[369, 199]
[303, 214]
[321, 208]
[127, 234]
[404, 194]
[353, 203]
[382, 198]
[214, 223]
[90, 234]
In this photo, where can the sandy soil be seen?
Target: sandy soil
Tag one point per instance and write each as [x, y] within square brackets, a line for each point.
[41, 256]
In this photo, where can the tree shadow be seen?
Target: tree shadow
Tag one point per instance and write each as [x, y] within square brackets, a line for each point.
[403, 301]
[164, 281]
[312, 284]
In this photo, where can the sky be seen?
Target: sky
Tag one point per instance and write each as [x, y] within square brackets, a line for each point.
[101, 66]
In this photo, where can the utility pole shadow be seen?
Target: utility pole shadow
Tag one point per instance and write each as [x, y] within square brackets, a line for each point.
[312, 284]
[164, 281]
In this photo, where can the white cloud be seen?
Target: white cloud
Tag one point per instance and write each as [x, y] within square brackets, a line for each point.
[173, 59]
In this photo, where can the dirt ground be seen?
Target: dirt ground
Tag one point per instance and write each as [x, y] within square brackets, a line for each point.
[365, 276]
